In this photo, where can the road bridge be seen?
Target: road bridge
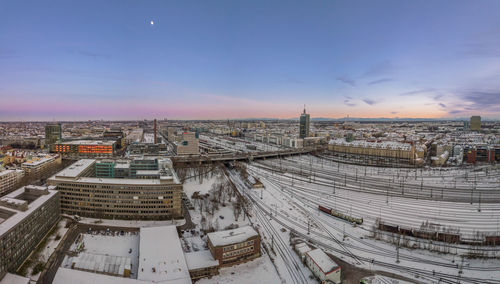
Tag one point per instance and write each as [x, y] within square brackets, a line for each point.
[246, 156]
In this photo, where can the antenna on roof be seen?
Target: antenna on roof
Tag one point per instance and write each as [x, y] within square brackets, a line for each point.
[304, 108]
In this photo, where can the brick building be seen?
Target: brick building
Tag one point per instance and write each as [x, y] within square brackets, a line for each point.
[234, 246]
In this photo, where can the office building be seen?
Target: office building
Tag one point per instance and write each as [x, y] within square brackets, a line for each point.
[475, 123]
[304, 124]
[86, 148]
[26, 216]
[53, 134]
[189, 144]
[145, 189]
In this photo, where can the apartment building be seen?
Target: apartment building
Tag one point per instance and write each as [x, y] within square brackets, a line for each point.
[9, 179]
[40, 166]
[150, 197]
[26, 216]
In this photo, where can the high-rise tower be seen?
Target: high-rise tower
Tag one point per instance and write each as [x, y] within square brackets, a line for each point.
[304, 124]
[53, 133]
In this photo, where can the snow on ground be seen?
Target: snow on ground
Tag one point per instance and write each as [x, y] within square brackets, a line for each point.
[108, 244]
[49, 247]
[130, 223]
[377, 279]
[293, 207]
[260, 270]
[192, 185]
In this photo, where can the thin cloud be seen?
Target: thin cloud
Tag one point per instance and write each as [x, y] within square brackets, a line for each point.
[347, 80]
[349, 103]
[380, 81]
[421, 91]
[442, 105]
[370, 102]
[94, 55]
[381, 68]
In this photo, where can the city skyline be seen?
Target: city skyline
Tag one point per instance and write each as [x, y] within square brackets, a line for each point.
[225, 60]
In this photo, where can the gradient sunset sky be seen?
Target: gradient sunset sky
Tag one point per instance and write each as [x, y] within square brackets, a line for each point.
[79, 60]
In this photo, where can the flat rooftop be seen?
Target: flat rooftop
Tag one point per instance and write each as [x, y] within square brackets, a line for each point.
[11, 221]
[200, 259]
[161, 260]
[39, 160]
[89, 142]
[234, 236]
[75, 169]
[160, 255]
[323, 261]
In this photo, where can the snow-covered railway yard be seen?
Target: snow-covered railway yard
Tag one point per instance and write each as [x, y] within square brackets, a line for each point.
[294, 187]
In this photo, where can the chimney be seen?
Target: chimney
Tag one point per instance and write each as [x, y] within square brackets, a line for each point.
[154, 130]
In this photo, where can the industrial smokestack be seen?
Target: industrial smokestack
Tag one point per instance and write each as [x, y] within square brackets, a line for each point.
[154, 130]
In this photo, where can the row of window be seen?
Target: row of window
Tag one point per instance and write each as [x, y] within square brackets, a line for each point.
[237, 246]
[237, 252]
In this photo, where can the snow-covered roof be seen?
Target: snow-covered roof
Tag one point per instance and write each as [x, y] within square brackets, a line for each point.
[75, 169]
[10, 278]
[200, 259]
[234, 236]
[161, 258]
[19, 215]
[38, 160]
[323, 261]
[108, 264]
[89, 142]
[368, 144]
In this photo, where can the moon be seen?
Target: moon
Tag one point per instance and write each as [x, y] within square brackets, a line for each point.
[152, 23]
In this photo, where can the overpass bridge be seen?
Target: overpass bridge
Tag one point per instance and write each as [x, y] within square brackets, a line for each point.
[247, 156]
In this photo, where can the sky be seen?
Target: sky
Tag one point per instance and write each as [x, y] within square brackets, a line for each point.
[140, 59]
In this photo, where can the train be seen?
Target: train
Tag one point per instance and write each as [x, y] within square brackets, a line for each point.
[446, 237]
[342, 216]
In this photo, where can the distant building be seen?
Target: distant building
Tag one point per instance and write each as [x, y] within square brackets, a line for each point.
[390, 149]
[53, 133]
[323, 266]
[475, 123]
[9, 179]
[304, 124]
[86, 148]
[234, 246]
[138, 190]
[26, 215]
[189, 144]
[41, 166]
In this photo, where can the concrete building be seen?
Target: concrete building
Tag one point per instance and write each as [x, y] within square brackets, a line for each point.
[9, 179]
[189, 144]
[304, 124]
[85, 148]
[201, 264]
[53, 134]
[26, 216]
[234, 246]
[160, 260]
[475, 123]
[41, 166]
[323, 266]
[151, 197]
[389, 149]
